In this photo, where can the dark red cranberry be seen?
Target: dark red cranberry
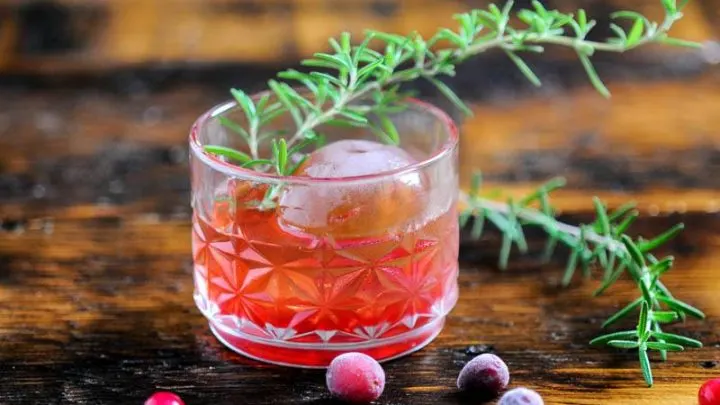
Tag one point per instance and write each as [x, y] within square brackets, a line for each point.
[486, 373]
[521, 396]
[710, 392]
[164, 398]
[355, 378]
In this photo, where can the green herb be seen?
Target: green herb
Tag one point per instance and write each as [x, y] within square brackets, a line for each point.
[588, 244]
[359, 83]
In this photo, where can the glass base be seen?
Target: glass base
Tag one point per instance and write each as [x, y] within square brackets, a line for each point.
[303, 355]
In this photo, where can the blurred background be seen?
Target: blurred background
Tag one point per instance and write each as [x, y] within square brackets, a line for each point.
[95, 92]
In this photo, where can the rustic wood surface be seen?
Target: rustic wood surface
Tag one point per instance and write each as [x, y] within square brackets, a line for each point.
[53, 36]
[95, 272]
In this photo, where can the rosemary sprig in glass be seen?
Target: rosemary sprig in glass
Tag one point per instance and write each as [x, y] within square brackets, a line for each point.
[357, 81]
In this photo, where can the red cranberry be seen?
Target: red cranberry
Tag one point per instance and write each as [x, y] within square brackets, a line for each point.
[485, 373]
[164, 398]
[355, 378]
[521, 396]
[710, 392]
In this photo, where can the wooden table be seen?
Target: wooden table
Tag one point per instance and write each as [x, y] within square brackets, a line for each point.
[95, 270]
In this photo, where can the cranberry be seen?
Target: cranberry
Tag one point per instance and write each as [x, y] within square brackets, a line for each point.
[485, 373]
[710, 392]
[164, 398]
[521, 396]
[355, 378]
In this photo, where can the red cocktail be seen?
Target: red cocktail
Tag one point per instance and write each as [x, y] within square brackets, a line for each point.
[357, 251]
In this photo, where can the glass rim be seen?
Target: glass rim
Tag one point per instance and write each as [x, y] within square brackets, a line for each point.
[233, 170]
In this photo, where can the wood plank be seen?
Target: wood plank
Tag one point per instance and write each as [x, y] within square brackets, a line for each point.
[89, 318]
[545, 135]
[629, 144]
[89, 35]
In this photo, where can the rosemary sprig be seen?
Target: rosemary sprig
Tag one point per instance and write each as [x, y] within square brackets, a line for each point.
[602, 244]
[360, 87]
[365, 82]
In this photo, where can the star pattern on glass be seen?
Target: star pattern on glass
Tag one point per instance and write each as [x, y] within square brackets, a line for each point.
[326, 290]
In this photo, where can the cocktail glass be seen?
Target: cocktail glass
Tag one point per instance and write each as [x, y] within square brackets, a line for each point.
[363, 262]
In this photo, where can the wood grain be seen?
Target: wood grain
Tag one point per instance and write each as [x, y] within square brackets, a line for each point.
[95, 276]
[89, 35]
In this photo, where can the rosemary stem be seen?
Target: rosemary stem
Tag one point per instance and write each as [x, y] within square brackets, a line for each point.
[347, 95]
[253, 140]
[345, 98]
[566, 41]
[540, 219]
[506, 42]
[352, 93]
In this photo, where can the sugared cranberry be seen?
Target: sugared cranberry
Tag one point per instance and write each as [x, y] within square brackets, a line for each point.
[521, 396]
[485, 373]
[164, 398]
[710, 392]
[355, 378]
